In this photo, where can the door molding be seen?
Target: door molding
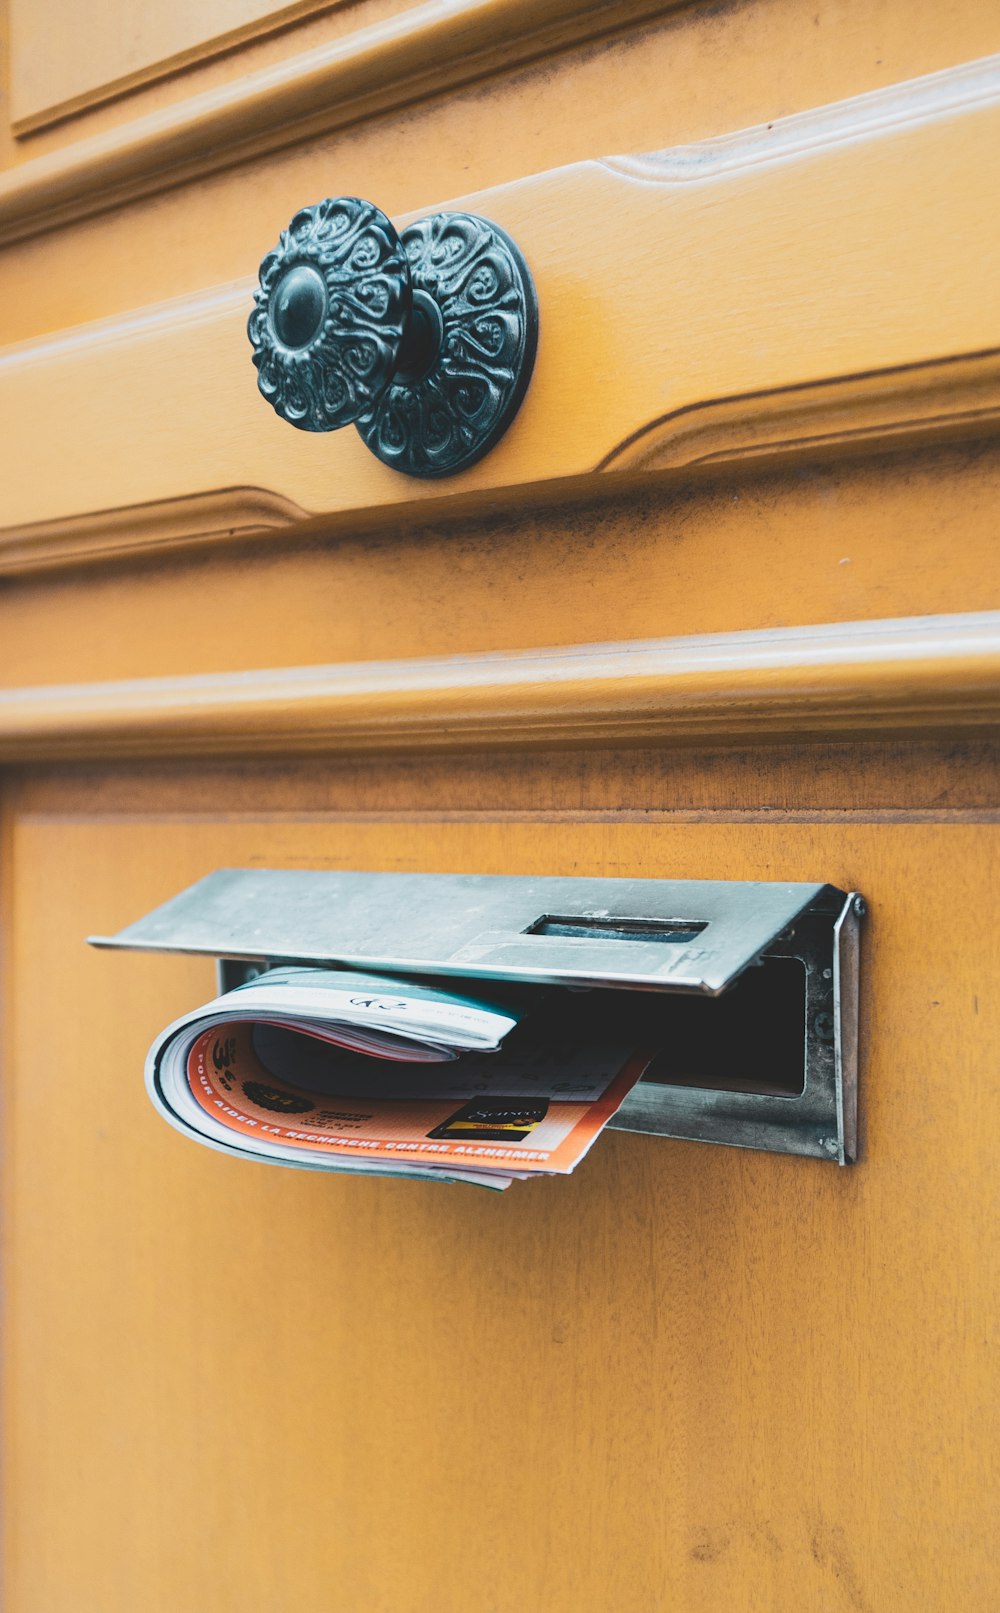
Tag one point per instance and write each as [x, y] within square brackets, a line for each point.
[929, 674]
[828, 283]
[425, 50]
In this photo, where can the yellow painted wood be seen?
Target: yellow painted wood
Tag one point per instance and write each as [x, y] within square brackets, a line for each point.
[865, 257]
[909, 535]
[891, 780]
[927, 675]
[64, 60]
[378, 56]
[687, 1377]
[690, 76]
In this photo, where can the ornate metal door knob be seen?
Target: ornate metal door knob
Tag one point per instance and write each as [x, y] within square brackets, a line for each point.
[425, 341]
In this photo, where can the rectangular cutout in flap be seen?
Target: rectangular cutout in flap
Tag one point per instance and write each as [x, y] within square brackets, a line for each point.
[614, 929]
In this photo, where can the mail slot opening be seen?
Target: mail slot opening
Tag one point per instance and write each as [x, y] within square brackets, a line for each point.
[751, 1039]
[612, 929]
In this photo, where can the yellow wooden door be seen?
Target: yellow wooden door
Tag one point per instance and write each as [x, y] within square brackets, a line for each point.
[721, 604]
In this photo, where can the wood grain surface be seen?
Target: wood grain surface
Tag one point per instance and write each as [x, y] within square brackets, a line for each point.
[907, 534]
[862, 303]
[722, 605]
[372, 63]
[687, 1377]
[926, 675]
[64, 61]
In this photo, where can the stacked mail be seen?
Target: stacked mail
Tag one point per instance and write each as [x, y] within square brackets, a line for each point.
[335, 1071]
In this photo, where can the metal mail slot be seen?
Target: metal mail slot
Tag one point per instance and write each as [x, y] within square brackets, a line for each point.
[747, 989]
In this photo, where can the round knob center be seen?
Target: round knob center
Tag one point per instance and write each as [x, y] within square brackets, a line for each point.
[298, 308]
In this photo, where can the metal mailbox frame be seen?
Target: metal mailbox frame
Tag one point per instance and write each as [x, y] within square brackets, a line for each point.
[687, 937]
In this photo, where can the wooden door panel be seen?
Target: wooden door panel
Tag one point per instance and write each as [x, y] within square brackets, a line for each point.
[64, 61]
[847, 541]
[185, 91]
[821, 282]
[746, 521]
[674, 73]
[687, 1376]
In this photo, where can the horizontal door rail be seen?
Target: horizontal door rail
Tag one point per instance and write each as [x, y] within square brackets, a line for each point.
[826, 282]
[853, 679]
[429, 48]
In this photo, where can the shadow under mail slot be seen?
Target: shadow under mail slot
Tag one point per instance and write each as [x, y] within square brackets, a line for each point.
[335, 1071]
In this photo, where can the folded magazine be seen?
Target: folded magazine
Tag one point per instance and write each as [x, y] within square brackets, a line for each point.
[329, 1070]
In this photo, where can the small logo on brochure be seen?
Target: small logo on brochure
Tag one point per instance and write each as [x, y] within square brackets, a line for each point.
[494, 1120]
[282, 1102]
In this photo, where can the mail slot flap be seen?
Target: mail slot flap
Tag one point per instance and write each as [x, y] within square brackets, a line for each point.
[663, 935]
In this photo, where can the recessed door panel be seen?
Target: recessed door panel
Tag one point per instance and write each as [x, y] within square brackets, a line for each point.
[732, 1372]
